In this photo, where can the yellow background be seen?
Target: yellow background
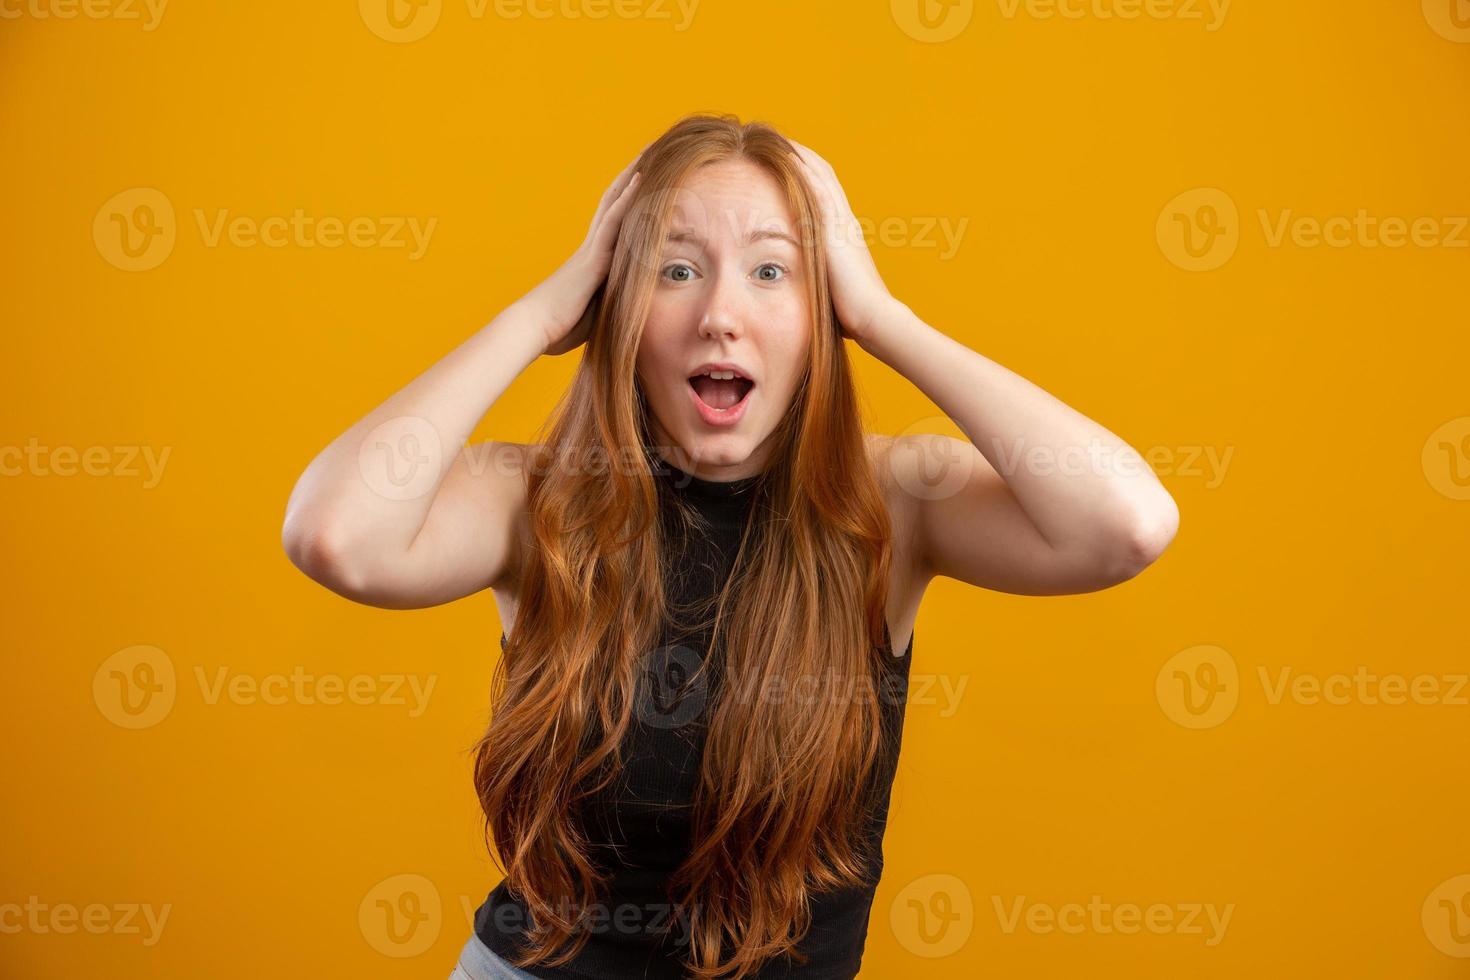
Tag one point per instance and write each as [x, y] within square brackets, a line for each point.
[1333, 541]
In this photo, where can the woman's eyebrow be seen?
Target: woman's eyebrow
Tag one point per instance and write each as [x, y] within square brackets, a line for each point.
[760, 234]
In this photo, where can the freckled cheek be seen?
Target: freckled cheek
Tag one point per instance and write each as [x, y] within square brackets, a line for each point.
[789, 326]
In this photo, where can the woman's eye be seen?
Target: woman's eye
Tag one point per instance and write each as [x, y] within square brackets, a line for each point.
[671, 271]
[775, 268]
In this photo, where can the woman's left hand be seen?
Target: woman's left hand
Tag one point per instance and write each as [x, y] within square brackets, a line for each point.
[858, 291]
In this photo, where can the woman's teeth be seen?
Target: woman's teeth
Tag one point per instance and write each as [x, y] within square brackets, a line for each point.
[720, 389]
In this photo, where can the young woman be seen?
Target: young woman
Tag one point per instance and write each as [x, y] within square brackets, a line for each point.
[708, 573]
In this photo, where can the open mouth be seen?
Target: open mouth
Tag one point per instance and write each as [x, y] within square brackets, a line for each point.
[721, 390]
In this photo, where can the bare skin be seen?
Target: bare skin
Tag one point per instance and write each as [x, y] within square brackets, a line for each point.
[730, 289]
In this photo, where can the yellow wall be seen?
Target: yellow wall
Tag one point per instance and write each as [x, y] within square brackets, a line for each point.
[1305, 403]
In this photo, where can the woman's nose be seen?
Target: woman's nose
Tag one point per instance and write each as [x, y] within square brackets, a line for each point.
[722, 309]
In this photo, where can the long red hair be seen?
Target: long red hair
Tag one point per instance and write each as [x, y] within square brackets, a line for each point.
[781, 805]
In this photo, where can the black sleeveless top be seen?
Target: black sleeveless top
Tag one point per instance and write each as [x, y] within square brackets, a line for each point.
[640, 827]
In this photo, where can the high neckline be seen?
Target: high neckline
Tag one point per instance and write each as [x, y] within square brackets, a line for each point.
[691, 485]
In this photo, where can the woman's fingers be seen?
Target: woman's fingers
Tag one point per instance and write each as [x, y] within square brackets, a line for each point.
[826, 200]
[614, 191]
[620, 182]
[812, 158]
[612, 219]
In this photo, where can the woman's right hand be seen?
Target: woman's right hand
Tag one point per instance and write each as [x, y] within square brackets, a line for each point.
[566, 303]
[396, 511]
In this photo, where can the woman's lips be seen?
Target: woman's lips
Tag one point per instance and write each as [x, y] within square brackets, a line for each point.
[720, 416]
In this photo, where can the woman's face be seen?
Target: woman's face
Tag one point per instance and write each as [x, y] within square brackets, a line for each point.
[729, 291]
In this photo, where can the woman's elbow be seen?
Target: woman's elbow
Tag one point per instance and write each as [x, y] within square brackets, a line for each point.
[320, 550]
[1147, 536]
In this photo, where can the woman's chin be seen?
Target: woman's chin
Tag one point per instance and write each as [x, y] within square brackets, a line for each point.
[712, 450]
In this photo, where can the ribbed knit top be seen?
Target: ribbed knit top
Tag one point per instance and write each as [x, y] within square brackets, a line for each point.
[640, 826]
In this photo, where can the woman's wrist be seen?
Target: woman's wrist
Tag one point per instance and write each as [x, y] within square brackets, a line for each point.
[889, 319]
[559, 301]
[530, 319]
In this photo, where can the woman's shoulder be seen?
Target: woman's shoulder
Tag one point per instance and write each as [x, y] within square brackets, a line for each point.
[884, 458]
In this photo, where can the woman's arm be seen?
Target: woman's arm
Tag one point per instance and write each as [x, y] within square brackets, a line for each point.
[1041, 500]
[395, 512]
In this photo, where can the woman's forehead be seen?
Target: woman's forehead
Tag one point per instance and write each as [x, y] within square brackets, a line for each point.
[733, 202]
